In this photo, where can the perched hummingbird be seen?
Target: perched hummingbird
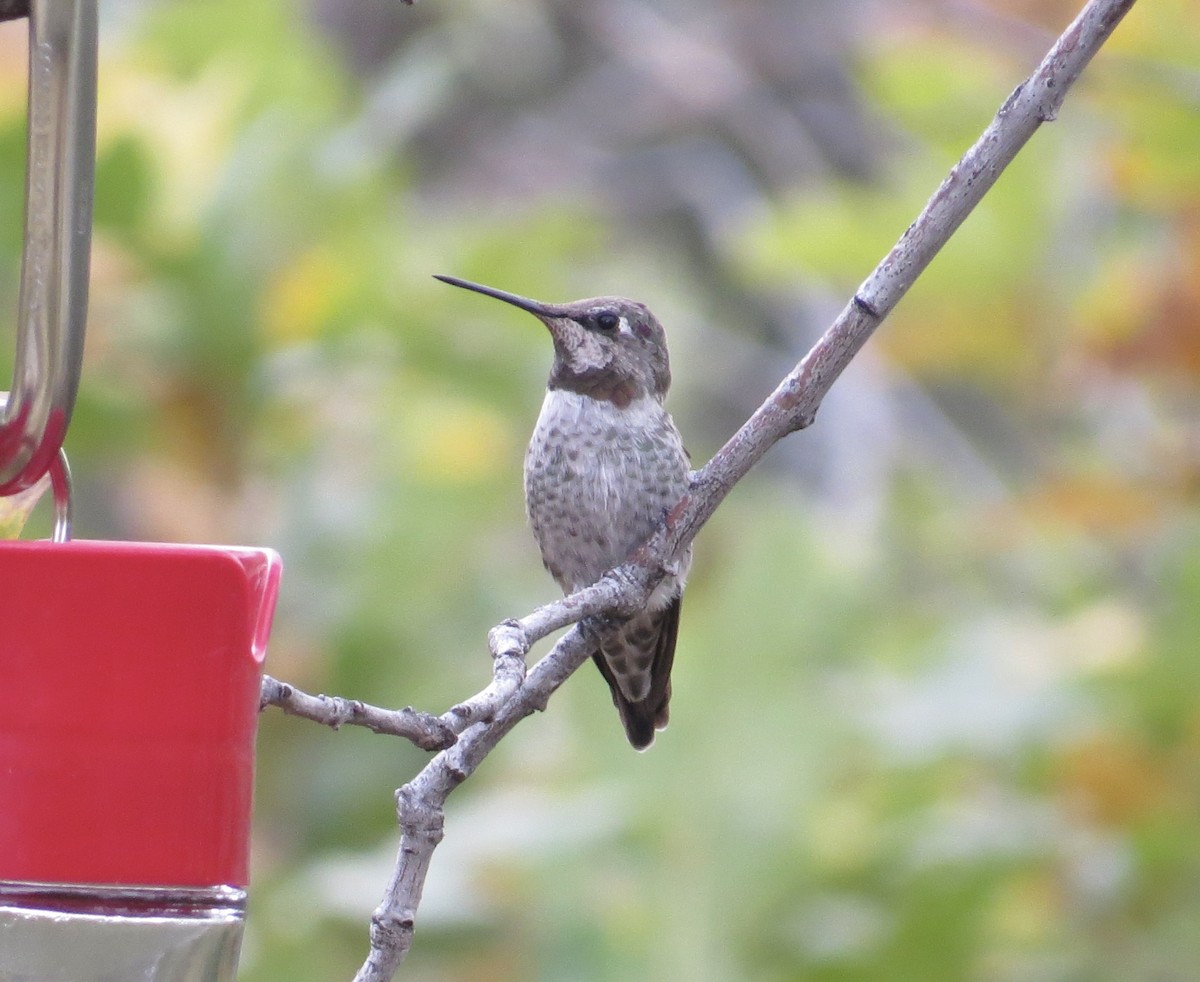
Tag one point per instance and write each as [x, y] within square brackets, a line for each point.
[605, 464]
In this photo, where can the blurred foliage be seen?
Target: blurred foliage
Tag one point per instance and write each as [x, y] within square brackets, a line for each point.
[937, 706]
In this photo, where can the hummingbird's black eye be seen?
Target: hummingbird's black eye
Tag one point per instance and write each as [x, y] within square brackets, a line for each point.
[607, 321]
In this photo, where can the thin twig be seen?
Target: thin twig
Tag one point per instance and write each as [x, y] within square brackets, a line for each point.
[425, 730]
[793, 405]
[510, 641]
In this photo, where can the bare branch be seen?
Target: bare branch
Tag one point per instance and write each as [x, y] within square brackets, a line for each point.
[794, 403]
[420, 804]
[486, 718]
[616, 595]
[426, 731]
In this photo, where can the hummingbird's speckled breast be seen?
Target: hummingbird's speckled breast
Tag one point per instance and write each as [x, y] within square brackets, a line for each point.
[598, 479]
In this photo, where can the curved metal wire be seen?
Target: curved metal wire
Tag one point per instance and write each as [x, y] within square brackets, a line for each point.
[59, 182]
[64, 506]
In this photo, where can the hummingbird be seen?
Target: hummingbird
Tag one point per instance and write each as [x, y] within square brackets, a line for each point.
[604, 466]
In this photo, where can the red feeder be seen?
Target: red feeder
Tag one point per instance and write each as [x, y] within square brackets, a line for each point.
[128, 710]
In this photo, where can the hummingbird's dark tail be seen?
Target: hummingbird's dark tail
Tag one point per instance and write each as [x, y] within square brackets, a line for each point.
[643, 717]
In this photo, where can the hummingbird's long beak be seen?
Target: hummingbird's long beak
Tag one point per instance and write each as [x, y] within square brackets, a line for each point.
[542, 310]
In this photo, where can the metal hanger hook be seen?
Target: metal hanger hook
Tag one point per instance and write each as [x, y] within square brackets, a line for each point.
[59, 183]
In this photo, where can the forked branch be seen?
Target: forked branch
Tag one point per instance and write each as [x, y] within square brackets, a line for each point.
[483, 720]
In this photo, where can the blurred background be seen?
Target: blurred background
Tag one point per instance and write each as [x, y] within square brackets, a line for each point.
[937, 708]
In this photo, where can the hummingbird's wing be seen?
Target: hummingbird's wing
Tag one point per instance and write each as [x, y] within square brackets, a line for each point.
[637, 658]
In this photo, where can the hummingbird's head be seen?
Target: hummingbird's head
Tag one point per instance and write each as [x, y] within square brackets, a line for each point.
[608, 348]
